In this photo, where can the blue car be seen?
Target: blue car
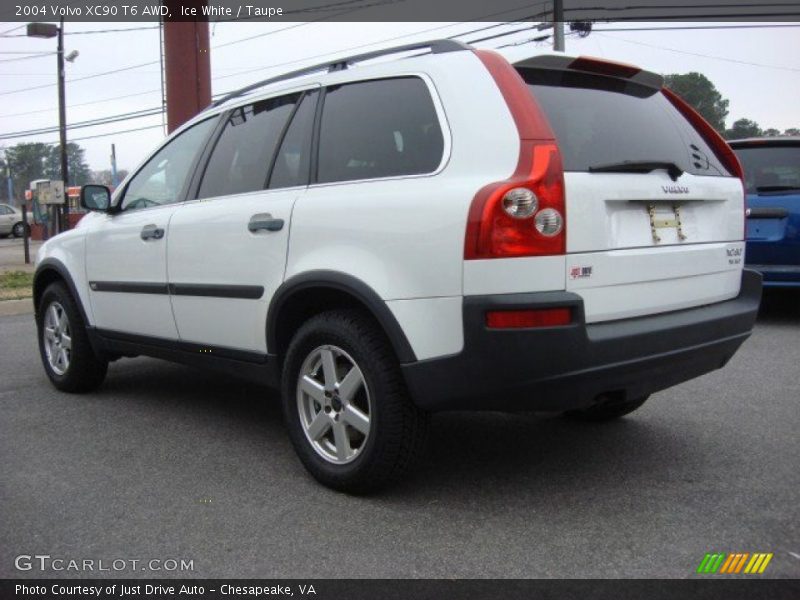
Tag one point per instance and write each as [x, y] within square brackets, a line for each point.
[772, 178]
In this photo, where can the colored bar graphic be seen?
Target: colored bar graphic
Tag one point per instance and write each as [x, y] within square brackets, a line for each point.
[727, 564]
[722, 563]
[740, 564]
[764, 564]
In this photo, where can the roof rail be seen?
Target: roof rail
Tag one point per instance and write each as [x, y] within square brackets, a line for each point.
[434, 46]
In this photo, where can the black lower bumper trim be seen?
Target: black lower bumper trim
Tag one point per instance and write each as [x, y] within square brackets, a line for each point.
[568, 367]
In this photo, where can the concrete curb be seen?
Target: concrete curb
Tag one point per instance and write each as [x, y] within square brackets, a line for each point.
[10, 308]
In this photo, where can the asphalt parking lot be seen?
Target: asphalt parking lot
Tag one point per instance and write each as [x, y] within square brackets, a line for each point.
[168, 462]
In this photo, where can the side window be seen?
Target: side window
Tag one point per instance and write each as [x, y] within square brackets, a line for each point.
[5, 210]
[379, 128]
[161, 179]
[292, 162]
[241, 157]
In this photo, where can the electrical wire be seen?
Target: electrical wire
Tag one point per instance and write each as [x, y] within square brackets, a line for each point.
[42, 55]
[700, 55]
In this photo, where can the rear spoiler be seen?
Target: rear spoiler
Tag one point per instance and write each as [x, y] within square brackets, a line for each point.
[597, 66]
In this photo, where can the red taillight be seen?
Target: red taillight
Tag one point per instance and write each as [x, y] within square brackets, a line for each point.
[492, 230]
[721, 149]
[520, 319]
[493, 233]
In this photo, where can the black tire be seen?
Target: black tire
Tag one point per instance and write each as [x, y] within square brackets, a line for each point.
[85, 370]
[611, 408]
[398, 429]
[18, 230]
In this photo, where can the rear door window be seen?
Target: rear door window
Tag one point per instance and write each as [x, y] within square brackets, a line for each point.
[292, 161]
[380, 128]
[601, 120]
[243, 153]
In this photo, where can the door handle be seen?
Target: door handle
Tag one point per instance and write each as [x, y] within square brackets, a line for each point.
[264, 221]
[152, 232]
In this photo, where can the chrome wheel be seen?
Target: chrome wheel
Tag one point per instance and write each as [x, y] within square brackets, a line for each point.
[57, 338]
[334, 404]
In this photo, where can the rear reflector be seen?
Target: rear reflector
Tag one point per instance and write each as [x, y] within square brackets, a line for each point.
[520, 319]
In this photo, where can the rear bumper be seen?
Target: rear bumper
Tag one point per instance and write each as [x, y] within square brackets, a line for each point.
[568, 367]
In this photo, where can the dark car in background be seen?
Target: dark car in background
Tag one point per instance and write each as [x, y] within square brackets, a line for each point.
[772, 178]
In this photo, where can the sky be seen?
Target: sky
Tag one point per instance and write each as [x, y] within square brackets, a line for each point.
[758, 70]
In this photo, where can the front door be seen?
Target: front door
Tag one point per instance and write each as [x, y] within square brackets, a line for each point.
[126, 252]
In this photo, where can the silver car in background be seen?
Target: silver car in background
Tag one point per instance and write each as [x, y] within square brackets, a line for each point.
[11, 221]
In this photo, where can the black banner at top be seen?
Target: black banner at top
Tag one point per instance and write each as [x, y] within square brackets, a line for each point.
[396, 10]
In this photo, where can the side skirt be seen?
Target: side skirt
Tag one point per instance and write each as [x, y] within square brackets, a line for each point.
[253, 366]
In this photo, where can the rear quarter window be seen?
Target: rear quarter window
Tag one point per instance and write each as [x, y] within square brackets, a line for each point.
[600, 120]
[378, 128]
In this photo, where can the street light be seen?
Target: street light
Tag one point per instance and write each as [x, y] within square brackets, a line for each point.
[48, 30]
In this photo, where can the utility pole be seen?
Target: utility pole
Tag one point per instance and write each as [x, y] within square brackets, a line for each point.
[558, 25]
[62, 126]
[113, 165]
[187, 64]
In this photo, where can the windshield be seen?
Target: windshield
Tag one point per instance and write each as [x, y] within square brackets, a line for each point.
[770, 168]
[602, 120]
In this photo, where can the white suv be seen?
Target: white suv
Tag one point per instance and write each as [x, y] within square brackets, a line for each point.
[437, 228]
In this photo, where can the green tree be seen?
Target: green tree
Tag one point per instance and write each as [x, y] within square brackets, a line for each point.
[792, 131]
[698, 91]
[743, 128]
[771, 132]
[27, 162]
[77, 170]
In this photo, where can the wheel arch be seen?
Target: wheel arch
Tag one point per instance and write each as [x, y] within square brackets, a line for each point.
[51, 270]
[304, 295]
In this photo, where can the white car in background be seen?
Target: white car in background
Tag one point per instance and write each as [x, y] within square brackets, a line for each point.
[11, 221]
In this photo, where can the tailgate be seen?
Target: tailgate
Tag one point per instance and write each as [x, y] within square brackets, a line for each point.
[654, 217]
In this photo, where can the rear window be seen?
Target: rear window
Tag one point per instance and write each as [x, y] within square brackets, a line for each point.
[770, 168]
[600, 120]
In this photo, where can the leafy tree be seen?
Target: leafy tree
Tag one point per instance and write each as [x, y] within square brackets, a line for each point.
[104, 176]
[792, 131]
[698, 91]
[743, 128]
[77, 169]
[771, 132]
[27, 162]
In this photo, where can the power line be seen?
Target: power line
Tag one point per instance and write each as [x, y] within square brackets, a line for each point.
[147, 112]
[12, 29]
[42, 55]
[700, 55]
[691, 27]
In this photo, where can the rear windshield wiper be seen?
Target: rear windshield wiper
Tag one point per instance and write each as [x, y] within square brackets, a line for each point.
[776, 188]
[639, 166]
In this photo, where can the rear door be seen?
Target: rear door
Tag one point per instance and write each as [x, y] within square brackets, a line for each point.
[227, 248]
[654, 219]
[772, 176]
